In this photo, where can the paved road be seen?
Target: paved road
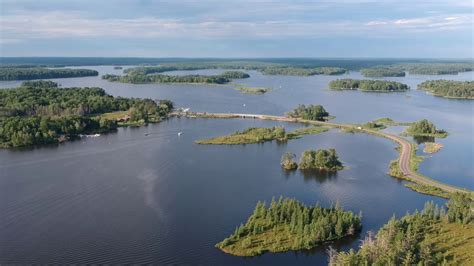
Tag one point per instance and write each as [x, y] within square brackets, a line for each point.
[405, 152]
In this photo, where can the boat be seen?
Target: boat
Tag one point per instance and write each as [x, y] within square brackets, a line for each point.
[180, 133]
[146, 134]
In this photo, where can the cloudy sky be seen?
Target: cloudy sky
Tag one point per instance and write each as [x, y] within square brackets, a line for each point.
[225, 28]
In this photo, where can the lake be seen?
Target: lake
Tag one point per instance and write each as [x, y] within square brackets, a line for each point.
[147, 195]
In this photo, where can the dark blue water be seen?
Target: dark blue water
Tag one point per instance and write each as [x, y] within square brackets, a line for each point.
[130, 198]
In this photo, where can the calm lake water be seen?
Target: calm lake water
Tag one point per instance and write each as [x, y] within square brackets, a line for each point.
[130, 198]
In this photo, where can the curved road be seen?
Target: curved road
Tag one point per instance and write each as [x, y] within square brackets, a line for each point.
[405, 152]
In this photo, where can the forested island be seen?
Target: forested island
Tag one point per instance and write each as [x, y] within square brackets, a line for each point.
[449, 88]
[261, 134]
[39, 112]
[286, 225]
[300, 71]
[434, 236]
[435, 68]
[425, 128]
[320, 159]
[139, 77]
[310, 112]
[378, 72]
[253, 90]
[367, 85]
[27, 73]
[264, 68]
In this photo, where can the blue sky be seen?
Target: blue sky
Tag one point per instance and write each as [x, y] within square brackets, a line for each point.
[152, 28]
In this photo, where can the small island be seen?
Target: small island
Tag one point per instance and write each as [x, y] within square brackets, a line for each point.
[310, 112]
[379, 72]
[435, 68]
[368, 85]
[424, 128]
[320, 159]
[118, 67]
[432, 147]
[261, 134]
[253, 90]
[449, 88]
[288, 161]
[27, 73]
[137, 77]
[286, 225]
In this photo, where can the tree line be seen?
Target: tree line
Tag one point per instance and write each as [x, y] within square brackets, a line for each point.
[310, 112]
[39, 112]
[22, 73]
[142, 77]
[313, 159]
[449, 88]
[287, 224]
[417, 239]
[378, 72]
[367, 85]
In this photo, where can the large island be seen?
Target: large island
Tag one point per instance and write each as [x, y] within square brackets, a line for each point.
[39, 112]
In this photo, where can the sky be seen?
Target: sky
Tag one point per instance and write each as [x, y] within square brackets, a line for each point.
[227, 28]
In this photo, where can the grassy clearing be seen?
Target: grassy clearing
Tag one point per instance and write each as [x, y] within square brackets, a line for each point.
[249, 136]
[455, 241]
[432, 147]
[299, 132]
[261, 134]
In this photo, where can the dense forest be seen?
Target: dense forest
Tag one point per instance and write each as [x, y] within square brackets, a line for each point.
[367, 85]
[436, 68]
[378, 72]
[300, 71]
[265, 68]
[320, 159]
[310, 112]
[433, 236]
[425, 128]
[21, 73]
[287, 224]
[38, 112]
[140, 77]
[449, 88]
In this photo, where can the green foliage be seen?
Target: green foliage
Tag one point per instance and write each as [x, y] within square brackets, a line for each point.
[249, 135]
[461, 209]
[26, 131]
[449, 88]
[289, 225]
[46, 99]
[311, 112]
[320, 159]
[415, 239]
[39, 112]
[367, 85]
[288, 161]
[436, 68]
[300, 71]
[306, 131]
[142, 76]
[20, 73]
[425, 128]
[378, 72]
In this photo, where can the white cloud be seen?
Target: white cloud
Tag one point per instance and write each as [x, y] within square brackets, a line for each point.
[49, 25]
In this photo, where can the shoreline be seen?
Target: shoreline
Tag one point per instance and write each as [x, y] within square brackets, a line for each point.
[404, 160]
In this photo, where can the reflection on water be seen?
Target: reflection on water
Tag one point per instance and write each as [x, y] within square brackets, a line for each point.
[423, 139]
